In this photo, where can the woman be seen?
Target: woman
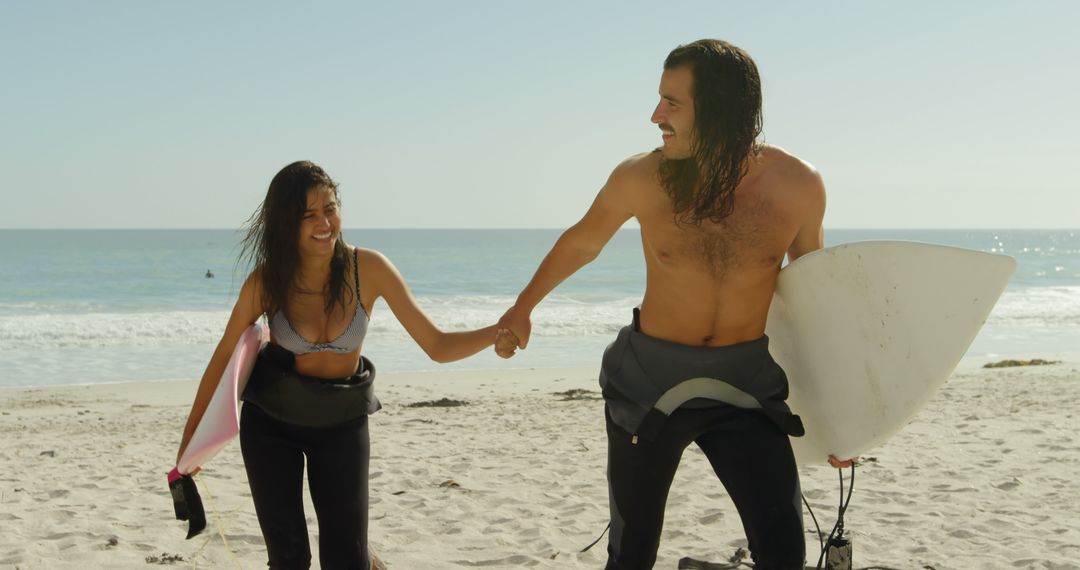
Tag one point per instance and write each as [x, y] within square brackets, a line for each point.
[310, 392]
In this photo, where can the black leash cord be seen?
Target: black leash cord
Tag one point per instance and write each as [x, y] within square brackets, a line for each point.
[840, 516]
[839, 526]
[812, 517]
[586, 549]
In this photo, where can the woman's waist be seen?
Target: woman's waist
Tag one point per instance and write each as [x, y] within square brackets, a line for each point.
[296, 398]
[325, 366]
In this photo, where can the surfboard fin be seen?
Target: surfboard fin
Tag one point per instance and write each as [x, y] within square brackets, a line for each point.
[186, 502]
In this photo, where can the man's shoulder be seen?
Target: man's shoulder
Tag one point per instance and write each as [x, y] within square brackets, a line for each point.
[635, 173]
[790, 174]
[639, 166]
[630, 183]
[780, 162]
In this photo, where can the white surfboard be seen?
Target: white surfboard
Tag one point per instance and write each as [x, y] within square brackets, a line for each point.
[869, 331]
[221, 421]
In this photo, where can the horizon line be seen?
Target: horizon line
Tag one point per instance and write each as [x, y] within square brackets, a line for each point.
[844, 228]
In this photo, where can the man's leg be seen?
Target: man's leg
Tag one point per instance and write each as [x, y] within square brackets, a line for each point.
[275, 470]
[753, 459]
[639, 477]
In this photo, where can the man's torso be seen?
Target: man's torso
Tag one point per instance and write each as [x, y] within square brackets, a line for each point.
[711, 285]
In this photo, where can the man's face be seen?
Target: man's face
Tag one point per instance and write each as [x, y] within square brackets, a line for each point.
[674, 113]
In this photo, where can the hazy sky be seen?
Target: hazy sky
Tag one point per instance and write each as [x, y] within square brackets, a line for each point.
[459, 114]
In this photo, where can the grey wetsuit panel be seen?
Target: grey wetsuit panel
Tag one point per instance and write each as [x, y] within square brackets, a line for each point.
[643, 377]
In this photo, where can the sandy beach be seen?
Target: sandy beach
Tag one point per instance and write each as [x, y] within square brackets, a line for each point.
[985, 477]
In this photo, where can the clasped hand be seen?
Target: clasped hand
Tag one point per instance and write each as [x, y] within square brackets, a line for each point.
[513, 331]
[506, 343]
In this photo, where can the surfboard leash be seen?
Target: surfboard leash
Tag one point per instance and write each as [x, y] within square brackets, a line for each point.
[220, 528]
[836, 543]
[586, 549]
[835, 539]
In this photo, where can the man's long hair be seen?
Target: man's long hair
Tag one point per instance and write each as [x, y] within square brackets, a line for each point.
[272, 247]
[727, 122]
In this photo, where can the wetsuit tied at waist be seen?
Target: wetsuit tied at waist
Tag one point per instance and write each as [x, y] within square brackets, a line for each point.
[288, 396]
[644, 379]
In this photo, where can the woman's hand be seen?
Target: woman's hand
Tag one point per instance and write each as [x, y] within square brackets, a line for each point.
[506, 343]
[517, 322]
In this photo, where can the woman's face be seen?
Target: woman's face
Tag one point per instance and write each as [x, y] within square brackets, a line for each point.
[321, 225]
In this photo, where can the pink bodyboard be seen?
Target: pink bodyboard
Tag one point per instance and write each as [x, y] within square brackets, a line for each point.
[221, 420]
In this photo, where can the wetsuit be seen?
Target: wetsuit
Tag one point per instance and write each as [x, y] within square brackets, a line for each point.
[284, 420]
[654, 410]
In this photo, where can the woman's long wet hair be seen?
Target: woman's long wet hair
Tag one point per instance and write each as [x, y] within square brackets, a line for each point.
[271, 245]
[727, 122]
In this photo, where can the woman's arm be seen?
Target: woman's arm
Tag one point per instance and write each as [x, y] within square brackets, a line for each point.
[438, 345]
[245, 312]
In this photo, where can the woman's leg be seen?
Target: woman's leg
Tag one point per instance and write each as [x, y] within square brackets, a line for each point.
[275, 469]
[338, 479]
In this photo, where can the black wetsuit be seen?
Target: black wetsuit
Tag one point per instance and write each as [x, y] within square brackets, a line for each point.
[747, 444]
[337, 464]
[288, 416]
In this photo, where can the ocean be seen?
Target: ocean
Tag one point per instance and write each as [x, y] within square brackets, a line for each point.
[99, 306]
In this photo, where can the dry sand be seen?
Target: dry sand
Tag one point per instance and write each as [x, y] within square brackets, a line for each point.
[985, 477]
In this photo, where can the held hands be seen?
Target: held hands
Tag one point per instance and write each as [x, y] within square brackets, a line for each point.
[506, 343]
[513, 332]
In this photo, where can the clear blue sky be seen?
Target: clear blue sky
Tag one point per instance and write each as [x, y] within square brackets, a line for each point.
[511, 114]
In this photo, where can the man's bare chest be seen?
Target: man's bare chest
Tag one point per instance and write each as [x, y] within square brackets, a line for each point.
[753, 236]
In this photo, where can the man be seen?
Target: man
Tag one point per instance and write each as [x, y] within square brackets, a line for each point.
[718, 212]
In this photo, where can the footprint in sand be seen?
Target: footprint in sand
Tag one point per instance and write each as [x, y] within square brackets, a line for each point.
[518, 560]
[711, 517]
[1009, 485]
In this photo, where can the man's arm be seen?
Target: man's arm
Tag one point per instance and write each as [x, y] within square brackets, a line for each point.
[811, 236]
[576, 247]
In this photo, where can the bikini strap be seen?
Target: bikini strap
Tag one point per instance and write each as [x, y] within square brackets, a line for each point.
[356, 273]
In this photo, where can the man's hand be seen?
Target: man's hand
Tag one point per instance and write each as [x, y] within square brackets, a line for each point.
[842, 464]
[505, 343]
[514, 328]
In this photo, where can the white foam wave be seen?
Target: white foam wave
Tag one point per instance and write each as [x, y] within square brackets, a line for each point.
[1038, 306]
[558, 316]
[100, 330]
[54, 307]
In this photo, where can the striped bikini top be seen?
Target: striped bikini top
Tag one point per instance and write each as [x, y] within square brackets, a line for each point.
[346, 342]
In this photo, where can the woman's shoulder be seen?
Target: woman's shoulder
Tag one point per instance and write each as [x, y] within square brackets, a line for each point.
[371, 263]
[368, 256]
[252, 295]
[254, 280]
